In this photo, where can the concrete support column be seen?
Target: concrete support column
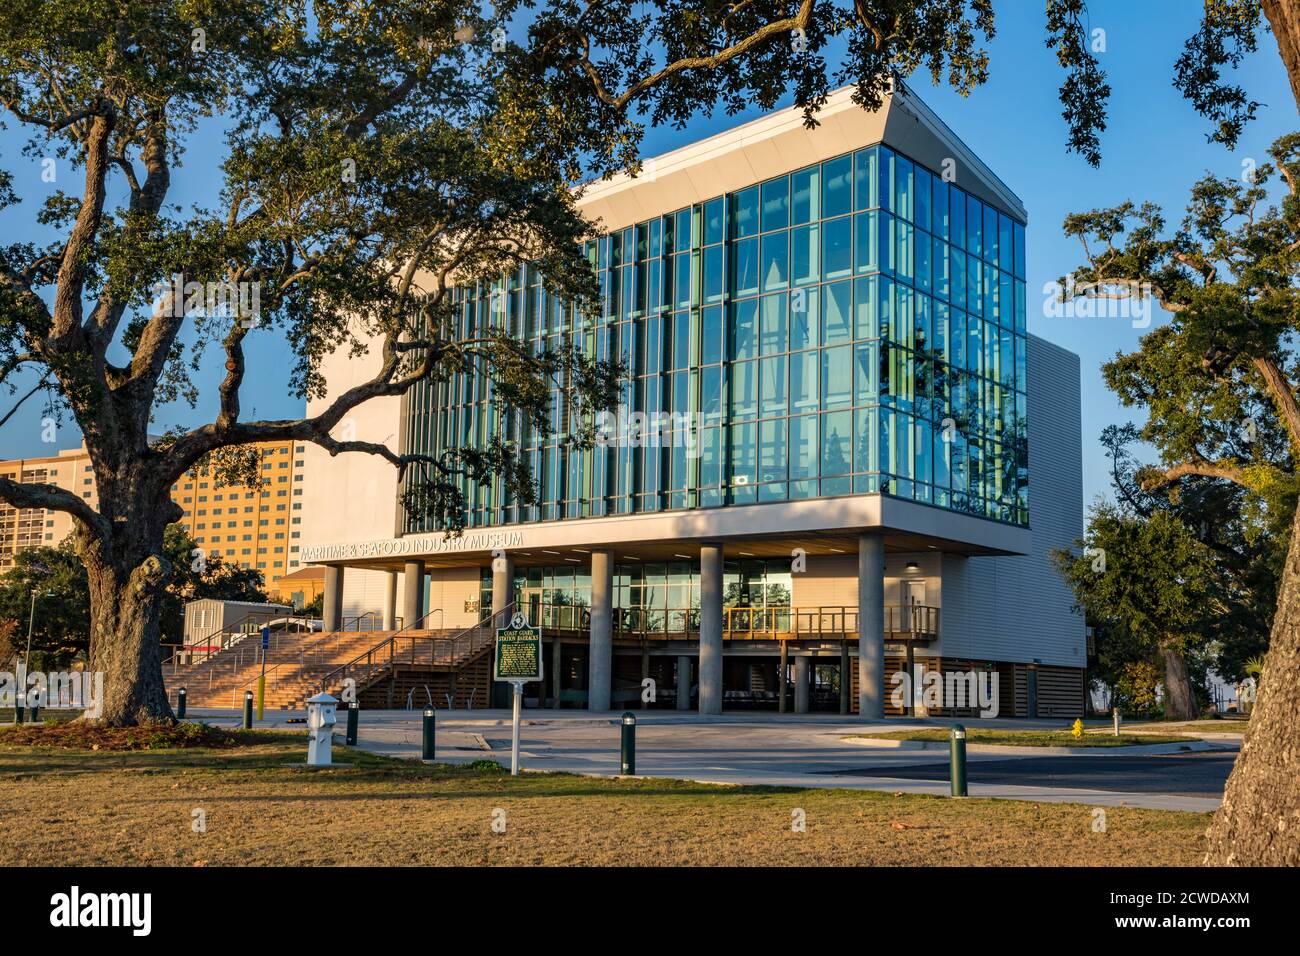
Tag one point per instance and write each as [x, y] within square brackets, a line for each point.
[845, 677]
[556, 652]
[711, 629]
[871, 626]
[332, 612]
[645, 674]
[600, 660]
[413, 595]
[782, 668]
[802, 675]
[390, 602]
[683, 682]
[503, 586]
[911, 680]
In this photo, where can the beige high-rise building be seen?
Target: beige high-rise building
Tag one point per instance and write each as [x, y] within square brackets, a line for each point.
[251, 527]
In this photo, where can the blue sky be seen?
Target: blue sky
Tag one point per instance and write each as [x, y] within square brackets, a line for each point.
[1155, 148]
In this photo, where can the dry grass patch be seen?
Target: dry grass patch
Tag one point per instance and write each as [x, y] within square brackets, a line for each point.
[260, 806]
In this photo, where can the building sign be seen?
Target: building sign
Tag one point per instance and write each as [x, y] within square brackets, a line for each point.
[415, 545]
[518, 655]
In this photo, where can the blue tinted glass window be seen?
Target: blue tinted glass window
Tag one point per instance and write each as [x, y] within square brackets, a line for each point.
[837, 313]
[744, 267]
[902, 188]
[837, 443]
[711, 342]
[713, 226]
[939, 208]
[744, 213]
[837, 187]
[772, 385]
[744, 329]
[805, 195]
[713, 274]
[775, 334]
[744, 389]
[805, 263]
[775, 261]
[804, 318]
[885, 177]
[990, 234]
[837, 377]
[957, 214]
[837, 247]
[865, 307]
[682, 231]
[921, 194]
[803, 447]
[865, 372]
[867, 241]
[864, 179]
[776, 203]
[974, 226]
[772, 454]
[805, 395]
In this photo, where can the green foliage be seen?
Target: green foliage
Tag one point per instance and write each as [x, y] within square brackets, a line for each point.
[61, 621]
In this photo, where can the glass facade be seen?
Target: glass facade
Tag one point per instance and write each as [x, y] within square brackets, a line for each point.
[854, 327]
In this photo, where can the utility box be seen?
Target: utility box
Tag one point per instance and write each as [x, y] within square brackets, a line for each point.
[322, 715]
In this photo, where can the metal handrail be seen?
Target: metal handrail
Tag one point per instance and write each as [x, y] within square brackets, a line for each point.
[374, 659]
[229, 637]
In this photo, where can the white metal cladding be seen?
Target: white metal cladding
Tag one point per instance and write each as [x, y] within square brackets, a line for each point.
[1020, 608]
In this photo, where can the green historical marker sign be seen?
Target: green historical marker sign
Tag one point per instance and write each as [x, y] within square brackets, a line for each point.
[518, 655]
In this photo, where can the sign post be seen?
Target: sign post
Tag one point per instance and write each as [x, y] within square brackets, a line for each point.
[517, 659]
[261, 678]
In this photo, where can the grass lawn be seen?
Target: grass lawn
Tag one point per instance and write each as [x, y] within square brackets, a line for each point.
[1031, 738]
[1190, 727]
[261, 807]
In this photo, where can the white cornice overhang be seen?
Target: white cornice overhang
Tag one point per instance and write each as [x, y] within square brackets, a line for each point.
[780, 143]
[945, 530]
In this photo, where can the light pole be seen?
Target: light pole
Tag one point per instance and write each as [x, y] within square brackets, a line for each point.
[31, 619]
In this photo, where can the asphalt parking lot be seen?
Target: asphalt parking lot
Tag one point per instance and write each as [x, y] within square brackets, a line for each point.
[1188, 775]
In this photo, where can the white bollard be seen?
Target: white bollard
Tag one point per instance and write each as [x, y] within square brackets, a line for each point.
[321, 718]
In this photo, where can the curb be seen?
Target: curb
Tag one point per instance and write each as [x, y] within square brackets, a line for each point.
[1124, 751]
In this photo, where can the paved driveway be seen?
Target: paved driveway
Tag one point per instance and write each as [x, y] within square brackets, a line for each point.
[801, 751]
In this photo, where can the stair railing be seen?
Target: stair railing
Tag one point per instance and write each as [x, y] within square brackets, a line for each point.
[385, 654]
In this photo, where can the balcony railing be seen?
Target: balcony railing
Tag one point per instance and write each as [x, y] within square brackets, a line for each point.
[902, 622]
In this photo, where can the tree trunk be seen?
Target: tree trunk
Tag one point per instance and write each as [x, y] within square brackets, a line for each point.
[1180, 699]
[1284, 18]
[125, 610]
[1259, 821]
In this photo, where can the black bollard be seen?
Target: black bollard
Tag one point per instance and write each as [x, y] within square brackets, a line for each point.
[353, 711]
[958, 768]
[180, 704]
[248, 710]
[426, 751]
[629, 744]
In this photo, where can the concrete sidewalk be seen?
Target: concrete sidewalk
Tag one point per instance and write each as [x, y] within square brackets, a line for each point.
[761, 749]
